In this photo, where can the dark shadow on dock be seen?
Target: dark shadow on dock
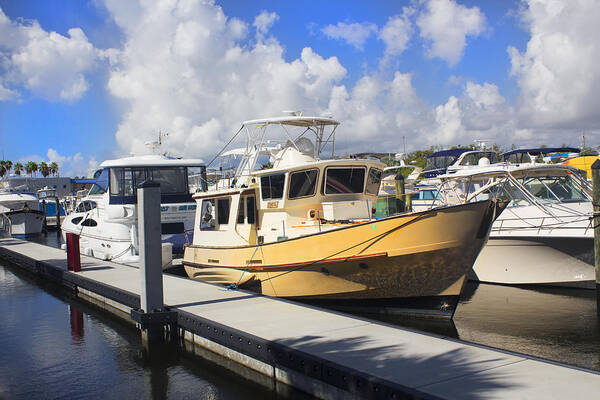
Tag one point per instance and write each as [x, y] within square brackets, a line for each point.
[99, 268]
[199, 303]
[394, 363]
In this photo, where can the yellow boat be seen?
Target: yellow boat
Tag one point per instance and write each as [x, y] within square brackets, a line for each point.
[304, 229]
[583, 163]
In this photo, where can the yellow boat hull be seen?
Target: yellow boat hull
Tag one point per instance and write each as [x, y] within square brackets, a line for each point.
[413, 262]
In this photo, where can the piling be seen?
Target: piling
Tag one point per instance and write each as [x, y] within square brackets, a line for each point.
[400, 193]
[596, 224]
[44, 222]
[57, 213]
[152, 314]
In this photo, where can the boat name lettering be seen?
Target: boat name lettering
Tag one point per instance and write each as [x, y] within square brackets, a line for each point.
[253, 261]
[272, 204]
[210, 260]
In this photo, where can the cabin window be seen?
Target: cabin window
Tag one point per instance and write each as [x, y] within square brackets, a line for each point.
[240, 218]
[89, 222]
[344, 180]
[303, 183]
[251, 209]
[171, 180]
[76, 220]
[116, 182]
[223, 211]
[271, 186]
[374, 180]
[86, 206]
[207, 221]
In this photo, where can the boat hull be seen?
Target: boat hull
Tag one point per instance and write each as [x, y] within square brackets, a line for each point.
[563, 262]
[25, 223]
[415, 262]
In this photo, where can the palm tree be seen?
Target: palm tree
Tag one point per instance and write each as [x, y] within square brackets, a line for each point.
[18, 168]
[31, 167]
[8, 165]
[53, 168]
[2, 168]
[44, 169]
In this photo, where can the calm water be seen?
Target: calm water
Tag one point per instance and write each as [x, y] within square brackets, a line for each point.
[54, 347]
[105, 360]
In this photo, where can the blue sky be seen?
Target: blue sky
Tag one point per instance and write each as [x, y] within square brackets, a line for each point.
[83, 81]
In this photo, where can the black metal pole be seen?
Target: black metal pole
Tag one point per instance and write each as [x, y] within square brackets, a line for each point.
[596, 222]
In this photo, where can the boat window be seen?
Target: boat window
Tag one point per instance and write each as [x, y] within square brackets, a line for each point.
[271, 186]
[555, 189]
[207, 221]
[101, 184]
[116, 182]
[171, 180]
[223, 211]
[85, 206]
[240, 218]
[374, 180]
[439, 162]
[128, 182]
[427, 194]
[197, 179]
[511, 193]
[344, 180]
[251, 209]
[76, 220]
[89, 222]
[303, 183]
[139, 176]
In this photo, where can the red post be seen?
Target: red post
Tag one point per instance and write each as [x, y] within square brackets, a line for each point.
[73, 256]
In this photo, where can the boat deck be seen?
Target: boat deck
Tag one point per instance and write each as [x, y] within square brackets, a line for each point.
[327, 354]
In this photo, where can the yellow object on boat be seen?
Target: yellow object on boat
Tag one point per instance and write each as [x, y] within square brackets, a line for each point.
[583, 163]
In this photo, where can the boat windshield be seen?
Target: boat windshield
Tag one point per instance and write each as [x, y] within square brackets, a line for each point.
[101, 184]
[556, 189]
[473, 158]
[510, 192]
[439, 162]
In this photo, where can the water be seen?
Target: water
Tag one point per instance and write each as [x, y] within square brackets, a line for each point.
[53, 346]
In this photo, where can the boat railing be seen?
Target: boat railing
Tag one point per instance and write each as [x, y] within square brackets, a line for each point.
[544, 224]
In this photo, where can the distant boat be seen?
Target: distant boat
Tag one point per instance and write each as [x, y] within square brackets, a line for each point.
[19, 213]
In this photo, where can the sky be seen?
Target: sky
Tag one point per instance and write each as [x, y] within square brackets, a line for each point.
[82, 81]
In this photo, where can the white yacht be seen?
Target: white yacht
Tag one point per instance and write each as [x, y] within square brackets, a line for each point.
[544, 236]
[106, 218]
[19, 211]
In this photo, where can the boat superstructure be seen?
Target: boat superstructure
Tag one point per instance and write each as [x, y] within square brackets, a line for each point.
[303, 228]
[447, 161]
[545, 235]
[106, 218]
[19, 211]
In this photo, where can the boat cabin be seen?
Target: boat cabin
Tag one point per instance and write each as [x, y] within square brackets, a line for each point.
[289, 201]
[438, 163]
[121, 177]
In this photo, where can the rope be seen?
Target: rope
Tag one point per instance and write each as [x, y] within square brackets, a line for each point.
[235, 286]
[374, 238]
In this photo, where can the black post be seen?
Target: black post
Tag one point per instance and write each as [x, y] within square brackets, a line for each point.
[596, 223]
[44, 223]
[57, 214]
[400, 200]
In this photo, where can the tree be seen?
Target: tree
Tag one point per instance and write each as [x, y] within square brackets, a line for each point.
[44, 169]
[2, 168]
[18, 168]
[31, 167]
[53, 168]
[8, 165]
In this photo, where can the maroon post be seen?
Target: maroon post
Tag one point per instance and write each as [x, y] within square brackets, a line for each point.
[73, 256]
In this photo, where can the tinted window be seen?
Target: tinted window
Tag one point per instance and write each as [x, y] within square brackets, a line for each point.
[240, 218]
[207, 219]
[171, 180]
[271, 186]
[223, 211]
[374, 180]
[116, 182]
[303, 183]
[250, 209]
[89, 222]
[76, 220]
[344, 180]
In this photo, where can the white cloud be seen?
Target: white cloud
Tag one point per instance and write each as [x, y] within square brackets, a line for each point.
[264, 21]
[49, 65]
[208, 79]
[446, 25]
[558, 73]
[396, 33]
[75, 165]
[355, 34]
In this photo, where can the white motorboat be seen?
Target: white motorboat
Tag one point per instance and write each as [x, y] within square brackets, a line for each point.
[20, 212]
[545, 235]
[106, 218]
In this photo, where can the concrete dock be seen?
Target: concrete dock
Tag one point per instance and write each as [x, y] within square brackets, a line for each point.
[327, 354]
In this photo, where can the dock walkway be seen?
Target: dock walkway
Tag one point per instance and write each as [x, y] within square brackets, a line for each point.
[327, 354]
